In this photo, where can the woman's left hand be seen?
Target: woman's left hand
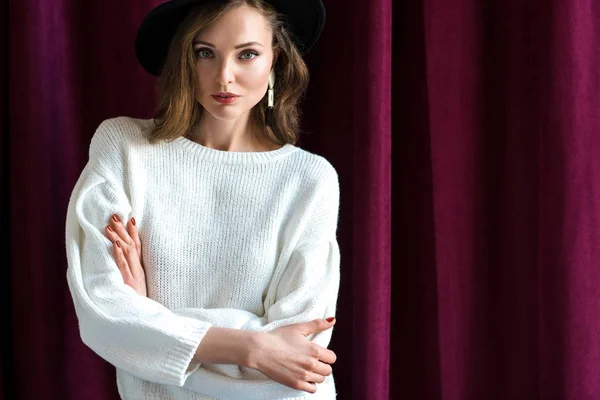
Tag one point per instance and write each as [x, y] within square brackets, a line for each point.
[127, 249]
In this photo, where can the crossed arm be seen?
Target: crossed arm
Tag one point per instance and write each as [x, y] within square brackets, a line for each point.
[283, 354]
[112, 314]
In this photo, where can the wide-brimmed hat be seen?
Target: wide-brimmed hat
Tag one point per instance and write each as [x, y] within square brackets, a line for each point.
[305, 20]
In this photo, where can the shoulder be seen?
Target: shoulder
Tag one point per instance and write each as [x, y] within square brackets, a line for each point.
[317, 169]
[116, 138]
[317, 196]
[114, 133]
[315, 180]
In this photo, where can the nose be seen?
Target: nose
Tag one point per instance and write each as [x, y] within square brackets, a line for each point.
[225, 73]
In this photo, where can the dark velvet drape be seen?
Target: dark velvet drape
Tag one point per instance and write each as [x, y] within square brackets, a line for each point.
[71, 64]
[496, 206]
[496, 217]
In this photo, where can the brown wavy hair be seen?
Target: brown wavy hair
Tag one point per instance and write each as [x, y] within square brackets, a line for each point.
[178, 111]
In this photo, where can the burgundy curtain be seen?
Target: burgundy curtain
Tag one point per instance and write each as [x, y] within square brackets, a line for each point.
[493, 294]
[5, 345]
[497, 209]
[70, 65]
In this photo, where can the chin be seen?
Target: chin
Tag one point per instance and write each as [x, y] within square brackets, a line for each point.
[226, 112]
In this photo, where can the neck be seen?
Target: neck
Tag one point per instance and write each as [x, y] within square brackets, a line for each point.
[238, 136]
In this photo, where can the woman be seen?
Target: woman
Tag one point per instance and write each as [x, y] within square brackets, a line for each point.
[224, 290]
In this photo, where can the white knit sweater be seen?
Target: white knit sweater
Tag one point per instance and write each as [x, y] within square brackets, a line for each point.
[243, 240]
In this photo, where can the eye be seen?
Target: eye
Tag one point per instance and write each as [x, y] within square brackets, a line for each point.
[252, 53]
[201, 53]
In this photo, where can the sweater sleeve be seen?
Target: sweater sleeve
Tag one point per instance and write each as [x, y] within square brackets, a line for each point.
[134, 333]
[306, 288]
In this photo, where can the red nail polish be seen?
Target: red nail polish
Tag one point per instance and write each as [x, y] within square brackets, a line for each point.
[110, 229]
[330, 319]
[133, 220]
[115, 218]
[118, 244]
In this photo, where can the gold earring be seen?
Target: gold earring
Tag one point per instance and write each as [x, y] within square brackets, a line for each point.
[271, 101]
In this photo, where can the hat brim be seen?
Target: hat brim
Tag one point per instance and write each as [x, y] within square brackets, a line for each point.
[305, 19]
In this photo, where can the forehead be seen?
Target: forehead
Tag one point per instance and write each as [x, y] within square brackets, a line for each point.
[239, 24]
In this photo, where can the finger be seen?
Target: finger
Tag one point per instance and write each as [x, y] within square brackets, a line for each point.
[121, 261]
[327, 356]
[133, 232]
[323, 369]
[316, 326]
[117, 225]
[111, 234]
[307, 387]
[133, 261]
[312, 377]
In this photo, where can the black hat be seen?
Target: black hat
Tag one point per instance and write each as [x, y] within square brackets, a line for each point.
[305, 19]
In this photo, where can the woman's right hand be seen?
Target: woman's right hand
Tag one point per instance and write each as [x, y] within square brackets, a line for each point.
[127, 250]
[286, 356]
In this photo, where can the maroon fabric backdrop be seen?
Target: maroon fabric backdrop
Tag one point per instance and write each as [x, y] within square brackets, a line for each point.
[71, 64]
[6, 345]
[496, 220]
[496, 213]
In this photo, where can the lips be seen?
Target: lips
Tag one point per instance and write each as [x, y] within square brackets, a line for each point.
[225, 94]
[225, 99]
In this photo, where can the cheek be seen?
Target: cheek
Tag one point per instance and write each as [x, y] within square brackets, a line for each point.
[257, 77]
[257, 81]
[203, 74]
[200, 81]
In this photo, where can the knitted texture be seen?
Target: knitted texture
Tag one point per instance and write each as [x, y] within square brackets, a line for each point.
[243, 240]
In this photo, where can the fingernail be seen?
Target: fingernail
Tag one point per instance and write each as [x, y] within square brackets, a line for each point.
[133, 220]
[115, 218]
[330, 319]
[110, 229]
[118, 244]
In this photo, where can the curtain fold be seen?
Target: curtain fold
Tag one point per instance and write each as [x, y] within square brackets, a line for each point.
[6, 353]
[497, 227]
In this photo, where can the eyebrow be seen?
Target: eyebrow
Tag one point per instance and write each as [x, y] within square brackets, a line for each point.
[239, 46]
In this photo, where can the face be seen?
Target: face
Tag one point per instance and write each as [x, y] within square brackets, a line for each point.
[233, 55]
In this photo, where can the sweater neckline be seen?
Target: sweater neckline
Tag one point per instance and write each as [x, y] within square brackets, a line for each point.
[232, 157]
